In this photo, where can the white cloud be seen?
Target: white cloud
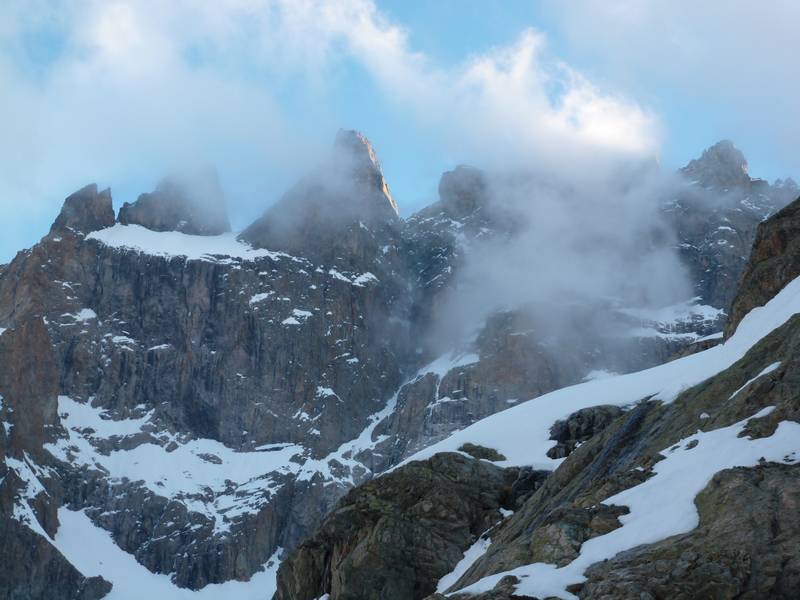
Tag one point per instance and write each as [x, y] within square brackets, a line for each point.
[731, 66]
[134, 86]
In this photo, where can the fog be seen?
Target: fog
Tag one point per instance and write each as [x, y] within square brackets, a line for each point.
[580, 247]
[119, 92]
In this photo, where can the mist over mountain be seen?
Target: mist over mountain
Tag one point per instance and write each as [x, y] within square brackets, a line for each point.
[399, 301]
[198, 401]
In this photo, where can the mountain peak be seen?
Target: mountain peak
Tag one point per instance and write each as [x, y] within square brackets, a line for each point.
[463, 190]
[190, 202]
[355, 158]
[356, 143]
[85, 211]
[722, 165]
[347, 192]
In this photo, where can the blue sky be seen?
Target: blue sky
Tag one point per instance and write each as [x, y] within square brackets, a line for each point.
[121, 92]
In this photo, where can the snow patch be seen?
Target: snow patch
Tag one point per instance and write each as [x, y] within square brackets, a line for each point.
[676, 313]
[93, 552]
[85, 314]
[447, 362]
[255, 299]
[326, 392]
[472, 554]
[231, 484]
[298, 317]
[364, 279]
[168, 244]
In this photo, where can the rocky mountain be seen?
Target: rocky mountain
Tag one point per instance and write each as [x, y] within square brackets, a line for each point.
[680, 481]
[195, 403]
[192, 203]
[716, 217]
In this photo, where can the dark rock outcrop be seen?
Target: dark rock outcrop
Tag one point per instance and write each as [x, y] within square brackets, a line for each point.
[84, 211]
[720, 166]
[773, 263]
[395, 537]
[580, 427]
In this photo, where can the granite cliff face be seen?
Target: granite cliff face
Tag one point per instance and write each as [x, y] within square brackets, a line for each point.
[206, 400]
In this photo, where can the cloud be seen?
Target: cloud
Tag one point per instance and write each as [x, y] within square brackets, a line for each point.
[120, 90]
[513, 104]
[726, 67]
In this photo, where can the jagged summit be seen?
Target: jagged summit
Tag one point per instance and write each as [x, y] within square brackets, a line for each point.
[359, 147]
[720, 166]
[85, 211]
[321, 215]
[463, 190]
[716, 217]
[354, 156]
[191, 203]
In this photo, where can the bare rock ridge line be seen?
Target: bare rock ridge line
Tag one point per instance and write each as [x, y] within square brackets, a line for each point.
[215, 403]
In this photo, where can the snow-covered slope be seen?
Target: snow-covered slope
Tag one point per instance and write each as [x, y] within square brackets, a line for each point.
[522, 433]
[93, 552]
[660, 507]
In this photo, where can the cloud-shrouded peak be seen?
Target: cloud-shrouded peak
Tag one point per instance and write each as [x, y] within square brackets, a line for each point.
[357, 144]
[722, 165]
[354, 155]
[191, 201]
[463, 190]
[323, 216]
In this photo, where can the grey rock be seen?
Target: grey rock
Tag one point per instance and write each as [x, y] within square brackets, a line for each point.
[84, 211]
[191, 203]
[773, 263]
[394, 537]
[716, 217]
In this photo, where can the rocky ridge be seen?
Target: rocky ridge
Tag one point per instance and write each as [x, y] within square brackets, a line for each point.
[743, 545]
[716, 216]
[280, 369]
